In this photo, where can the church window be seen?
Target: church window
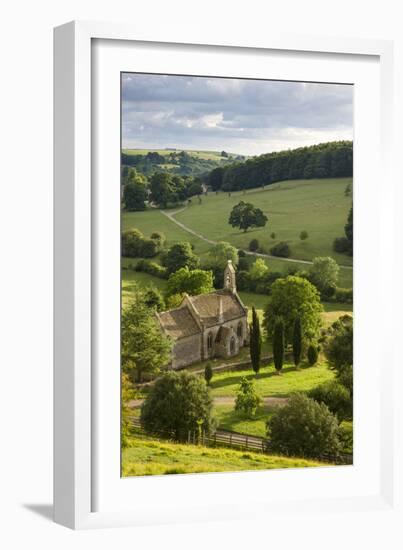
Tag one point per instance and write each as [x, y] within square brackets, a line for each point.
[209, 341]
[239, 330]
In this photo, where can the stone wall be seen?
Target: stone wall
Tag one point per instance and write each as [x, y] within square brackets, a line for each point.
[186, 351]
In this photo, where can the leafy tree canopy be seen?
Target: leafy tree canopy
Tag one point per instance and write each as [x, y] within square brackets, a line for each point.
[145, 349]
[220, 253]
[247, 398]
[244, 215]
[194, 282]
[304, 428]
[180, 255]
[324, 273]
[338, 344]
[178, 402]
[293, 297]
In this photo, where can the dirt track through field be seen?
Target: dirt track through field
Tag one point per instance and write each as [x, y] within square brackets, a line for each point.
[226, 400]
[171, 216]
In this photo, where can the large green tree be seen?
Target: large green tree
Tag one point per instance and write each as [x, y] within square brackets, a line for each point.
[338, 344]
[135, 196]
[293, 297]
[180, 255]
[144, 348]
[324, 273]
[161, 189]
[194, 282]
[304, 428]
[255, 341]
[244, 215]
[178, 403]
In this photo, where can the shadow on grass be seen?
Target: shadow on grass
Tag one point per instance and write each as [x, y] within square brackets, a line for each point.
[230, 378]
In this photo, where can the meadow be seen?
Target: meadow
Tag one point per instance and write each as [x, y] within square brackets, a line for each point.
[317, 206]
[150, 456]
[269, 384]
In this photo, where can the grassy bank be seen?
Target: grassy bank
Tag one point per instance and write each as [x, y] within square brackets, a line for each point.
[148, 456]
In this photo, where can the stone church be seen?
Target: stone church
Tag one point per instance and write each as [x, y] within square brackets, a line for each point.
[208, 325]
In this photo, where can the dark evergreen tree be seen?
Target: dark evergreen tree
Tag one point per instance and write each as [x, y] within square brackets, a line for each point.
[255, 341]
[297, 342]
[278, 345]
[208, 373]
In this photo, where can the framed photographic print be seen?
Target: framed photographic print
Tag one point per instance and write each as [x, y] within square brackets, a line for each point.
[214, 293]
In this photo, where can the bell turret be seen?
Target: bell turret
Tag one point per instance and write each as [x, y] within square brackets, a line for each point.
[229, 277]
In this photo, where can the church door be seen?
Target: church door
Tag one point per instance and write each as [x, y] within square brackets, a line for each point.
[232, 346]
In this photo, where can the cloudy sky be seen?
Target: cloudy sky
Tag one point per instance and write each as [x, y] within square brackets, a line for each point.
[239, 116]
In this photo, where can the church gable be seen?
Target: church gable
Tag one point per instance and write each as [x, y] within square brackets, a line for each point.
[178, 323]
[217, 307]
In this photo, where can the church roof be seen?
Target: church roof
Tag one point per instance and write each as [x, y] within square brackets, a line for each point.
[178, 323]
[208, 305]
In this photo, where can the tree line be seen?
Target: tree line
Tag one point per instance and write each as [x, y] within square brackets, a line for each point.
[326, 160]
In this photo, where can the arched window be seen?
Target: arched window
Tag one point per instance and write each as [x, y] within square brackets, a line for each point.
[209, 341]
[232, 346]
[239, 330]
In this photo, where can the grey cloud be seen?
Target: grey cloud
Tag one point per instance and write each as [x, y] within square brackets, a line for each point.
[203, 112]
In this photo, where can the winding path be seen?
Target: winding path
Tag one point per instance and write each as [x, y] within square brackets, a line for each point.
[171, 216]
[225, 400]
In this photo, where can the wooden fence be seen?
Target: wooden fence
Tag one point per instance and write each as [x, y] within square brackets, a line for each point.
[226, 438]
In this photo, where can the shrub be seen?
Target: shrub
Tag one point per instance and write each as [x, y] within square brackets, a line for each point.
[341, 245]
[345, 378]
[243, 280]
[336, 397]
[312, 354]
[243, 264]
[343, 295]
[241, 253]
[152, 268]
[154, 299]
[280, 249]
[149, 248]
[247, 399]
[177, 403]
[303, 235]
[273, 235]
[304, 428]
[253, 245]
[208, 373]
[132, 243]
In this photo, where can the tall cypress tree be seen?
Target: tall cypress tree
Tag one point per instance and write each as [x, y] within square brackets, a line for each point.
[278, 345]
[297, 341]
[255, 341]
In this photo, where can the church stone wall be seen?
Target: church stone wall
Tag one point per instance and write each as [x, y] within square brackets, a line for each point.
[219, 348]
[186, 351]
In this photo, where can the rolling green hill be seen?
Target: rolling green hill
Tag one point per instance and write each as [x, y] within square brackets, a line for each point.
[180, 162]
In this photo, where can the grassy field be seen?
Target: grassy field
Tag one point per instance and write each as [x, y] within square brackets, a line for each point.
[235, 421]
[317, 206]
[269, 384]
[148, 456]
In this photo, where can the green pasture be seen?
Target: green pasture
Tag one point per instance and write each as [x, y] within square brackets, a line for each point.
[148, 456]
[317, 206]
[269, 384]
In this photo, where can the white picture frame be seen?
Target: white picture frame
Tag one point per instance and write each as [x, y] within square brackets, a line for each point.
[85, 494]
